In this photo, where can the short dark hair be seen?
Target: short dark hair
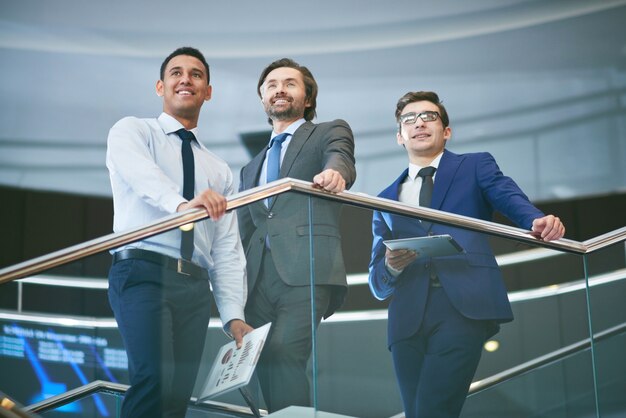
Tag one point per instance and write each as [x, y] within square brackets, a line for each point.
[418, 96]
[310, 85]
[186, 50]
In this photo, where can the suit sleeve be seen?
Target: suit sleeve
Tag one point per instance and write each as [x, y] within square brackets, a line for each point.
[228, 274]
[381, 282]
[338, 151]
[504, 194]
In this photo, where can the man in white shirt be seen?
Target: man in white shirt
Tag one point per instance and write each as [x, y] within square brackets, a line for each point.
[159, 287]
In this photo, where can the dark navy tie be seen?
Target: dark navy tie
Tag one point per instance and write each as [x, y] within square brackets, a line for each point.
[273, 157]
[426, 192]
[186, 243]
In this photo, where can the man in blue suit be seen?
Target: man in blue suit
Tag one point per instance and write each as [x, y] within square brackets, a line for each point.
[443, 309]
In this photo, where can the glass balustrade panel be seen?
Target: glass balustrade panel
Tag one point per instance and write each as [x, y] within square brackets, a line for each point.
[563, 389]
[354, 366]
[607, 293]
[96, 405]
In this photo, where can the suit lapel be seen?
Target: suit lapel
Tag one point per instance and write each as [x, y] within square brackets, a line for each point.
[253, 171]
[251, 178]
[400, 226]
[299, 138]
[393, 191]
[448, 166]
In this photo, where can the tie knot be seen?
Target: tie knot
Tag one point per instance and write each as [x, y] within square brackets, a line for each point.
[279, 139]
[186, 135]
[426, 172]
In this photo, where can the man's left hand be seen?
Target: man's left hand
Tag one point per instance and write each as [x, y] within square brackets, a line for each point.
[238, 329]
[330, 180]
[548, 228]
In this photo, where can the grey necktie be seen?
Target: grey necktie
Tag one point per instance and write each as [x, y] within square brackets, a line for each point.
[426, 192]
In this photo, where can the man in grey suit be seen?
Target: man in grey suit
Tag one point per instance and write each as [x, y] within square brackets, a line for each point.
[275, 233]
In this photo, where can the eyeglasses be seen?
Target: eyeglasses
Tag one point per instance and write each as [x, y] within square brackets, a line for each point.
[411, 118]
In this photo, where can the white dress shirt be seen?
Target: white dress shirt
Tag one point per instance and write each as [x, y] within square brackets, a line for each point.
[409, 193]
[146, 171]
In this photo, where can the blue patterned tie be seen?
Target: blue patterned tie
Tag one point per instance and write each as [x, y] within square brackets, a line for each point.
[186, 242]
[273, 158]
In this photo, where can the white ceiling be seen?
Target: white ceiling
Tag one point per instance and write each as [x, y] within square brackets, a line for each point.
[520, 78]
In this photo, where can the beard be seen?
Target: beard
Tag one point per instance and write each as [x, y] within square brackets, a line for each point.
[293, 111]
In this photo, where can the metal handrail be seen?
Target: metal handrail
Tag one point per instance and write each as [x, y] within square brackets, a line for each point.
[102, 386]
[550, 358]
[605, 240]
[73, 395]
[107, 242]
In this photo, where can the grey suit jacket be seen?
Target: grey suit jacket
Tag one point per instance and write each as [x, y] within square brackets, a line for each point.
[313, 148]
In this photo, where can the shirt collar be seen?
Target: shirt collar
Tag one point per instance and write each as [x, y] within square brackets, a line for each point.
[291, 129]
[170, 125]
[414, 168]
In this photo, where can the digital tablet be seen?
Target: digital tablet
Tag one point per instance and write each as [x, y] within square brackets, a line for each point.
[428, 246]
[233, 367]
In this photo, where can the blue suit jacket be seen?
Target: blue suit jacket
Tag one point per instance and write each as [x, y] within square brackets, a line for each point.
[466, 184]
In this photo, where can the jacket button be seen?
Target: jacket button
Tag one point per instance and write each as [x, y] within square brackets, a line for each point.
[270, 215]
[426, 265]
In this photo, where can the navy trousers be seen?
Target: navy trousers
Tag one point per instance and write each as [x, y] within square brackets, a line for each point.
[436, 365]
[163, 318]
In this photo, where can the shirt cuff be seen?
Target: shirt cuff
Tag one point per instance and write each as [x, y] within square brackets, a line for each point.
[226, 330]
[391, 270]
[229, 315]
[173, 203]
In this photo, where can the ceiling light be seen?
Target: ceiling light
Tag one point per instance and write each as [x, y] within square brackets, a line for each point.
[492, 345]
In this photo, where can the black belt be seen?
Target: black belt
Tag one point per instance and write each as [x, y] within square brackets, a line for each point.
[176, 264]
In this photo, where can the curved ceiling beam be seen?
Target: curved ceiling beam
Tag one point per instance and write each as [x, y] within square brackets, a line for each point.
[247, 44]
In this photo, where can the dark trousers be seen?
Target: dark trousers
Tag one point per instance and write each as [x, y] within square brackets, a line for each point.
[163, 318]
[435, 366]
[282, 366]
